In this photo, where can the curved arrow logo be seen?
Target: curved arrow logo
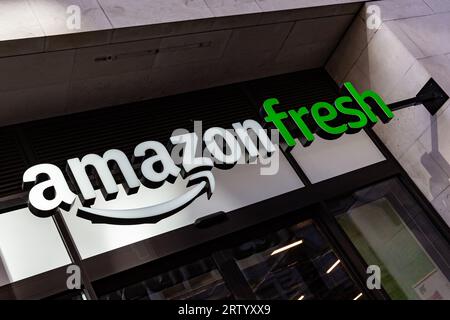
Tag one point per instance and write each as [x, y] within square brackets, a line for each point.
[204, 182]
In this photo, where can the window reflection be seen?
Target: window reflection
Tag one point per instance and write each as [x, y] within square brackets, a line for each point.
[390, 230]
[295, 263]
[196, 281]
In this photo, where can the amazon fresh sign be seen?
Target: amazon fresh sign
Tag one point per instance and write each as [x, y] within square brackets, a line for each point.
[153, 164]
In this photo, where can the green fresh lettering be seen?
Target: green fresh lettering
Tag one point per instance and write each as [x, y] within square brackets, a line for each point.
[322, 120]
[276, 118]
[361, 99]
[297, 116]
[339, 104]
[362, 110]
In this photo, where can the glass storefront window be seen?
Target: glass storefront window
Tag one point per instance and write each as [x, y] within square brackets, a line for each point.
[389, 230]
[296, 263]
[28, 246]
[195, 281]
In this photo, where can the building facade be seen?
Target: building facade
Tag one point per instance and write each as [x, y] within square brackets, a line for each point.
[363, 216]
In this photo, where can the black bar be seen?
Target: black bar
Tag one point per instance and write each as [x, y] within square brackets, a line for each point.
[404, 104]
[233, 276]
[298, 170]
[36, 287]
[74, 254]
[354, 263]
[13, 202]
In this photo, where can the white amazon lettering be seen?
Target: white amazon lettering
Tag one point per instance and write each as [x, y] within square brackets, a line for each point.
[151, 165]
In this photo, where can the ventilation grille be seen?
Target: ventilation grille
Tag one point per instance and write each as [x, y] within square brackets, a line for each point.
[294, 90]
[12, 164]
[125, 126]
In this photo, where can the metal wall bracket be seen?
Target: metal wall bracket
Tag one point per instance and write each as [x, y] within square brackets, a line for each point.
[431, 96]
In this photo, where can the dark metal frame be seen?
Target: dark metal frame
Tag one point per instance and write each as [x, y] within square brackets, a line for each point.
[148, 257]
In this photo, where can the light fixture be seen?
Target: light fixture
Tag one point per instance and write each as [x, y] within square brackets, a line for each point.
[358, 296]
[333, 266]
[286, 247]
[301, 297]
